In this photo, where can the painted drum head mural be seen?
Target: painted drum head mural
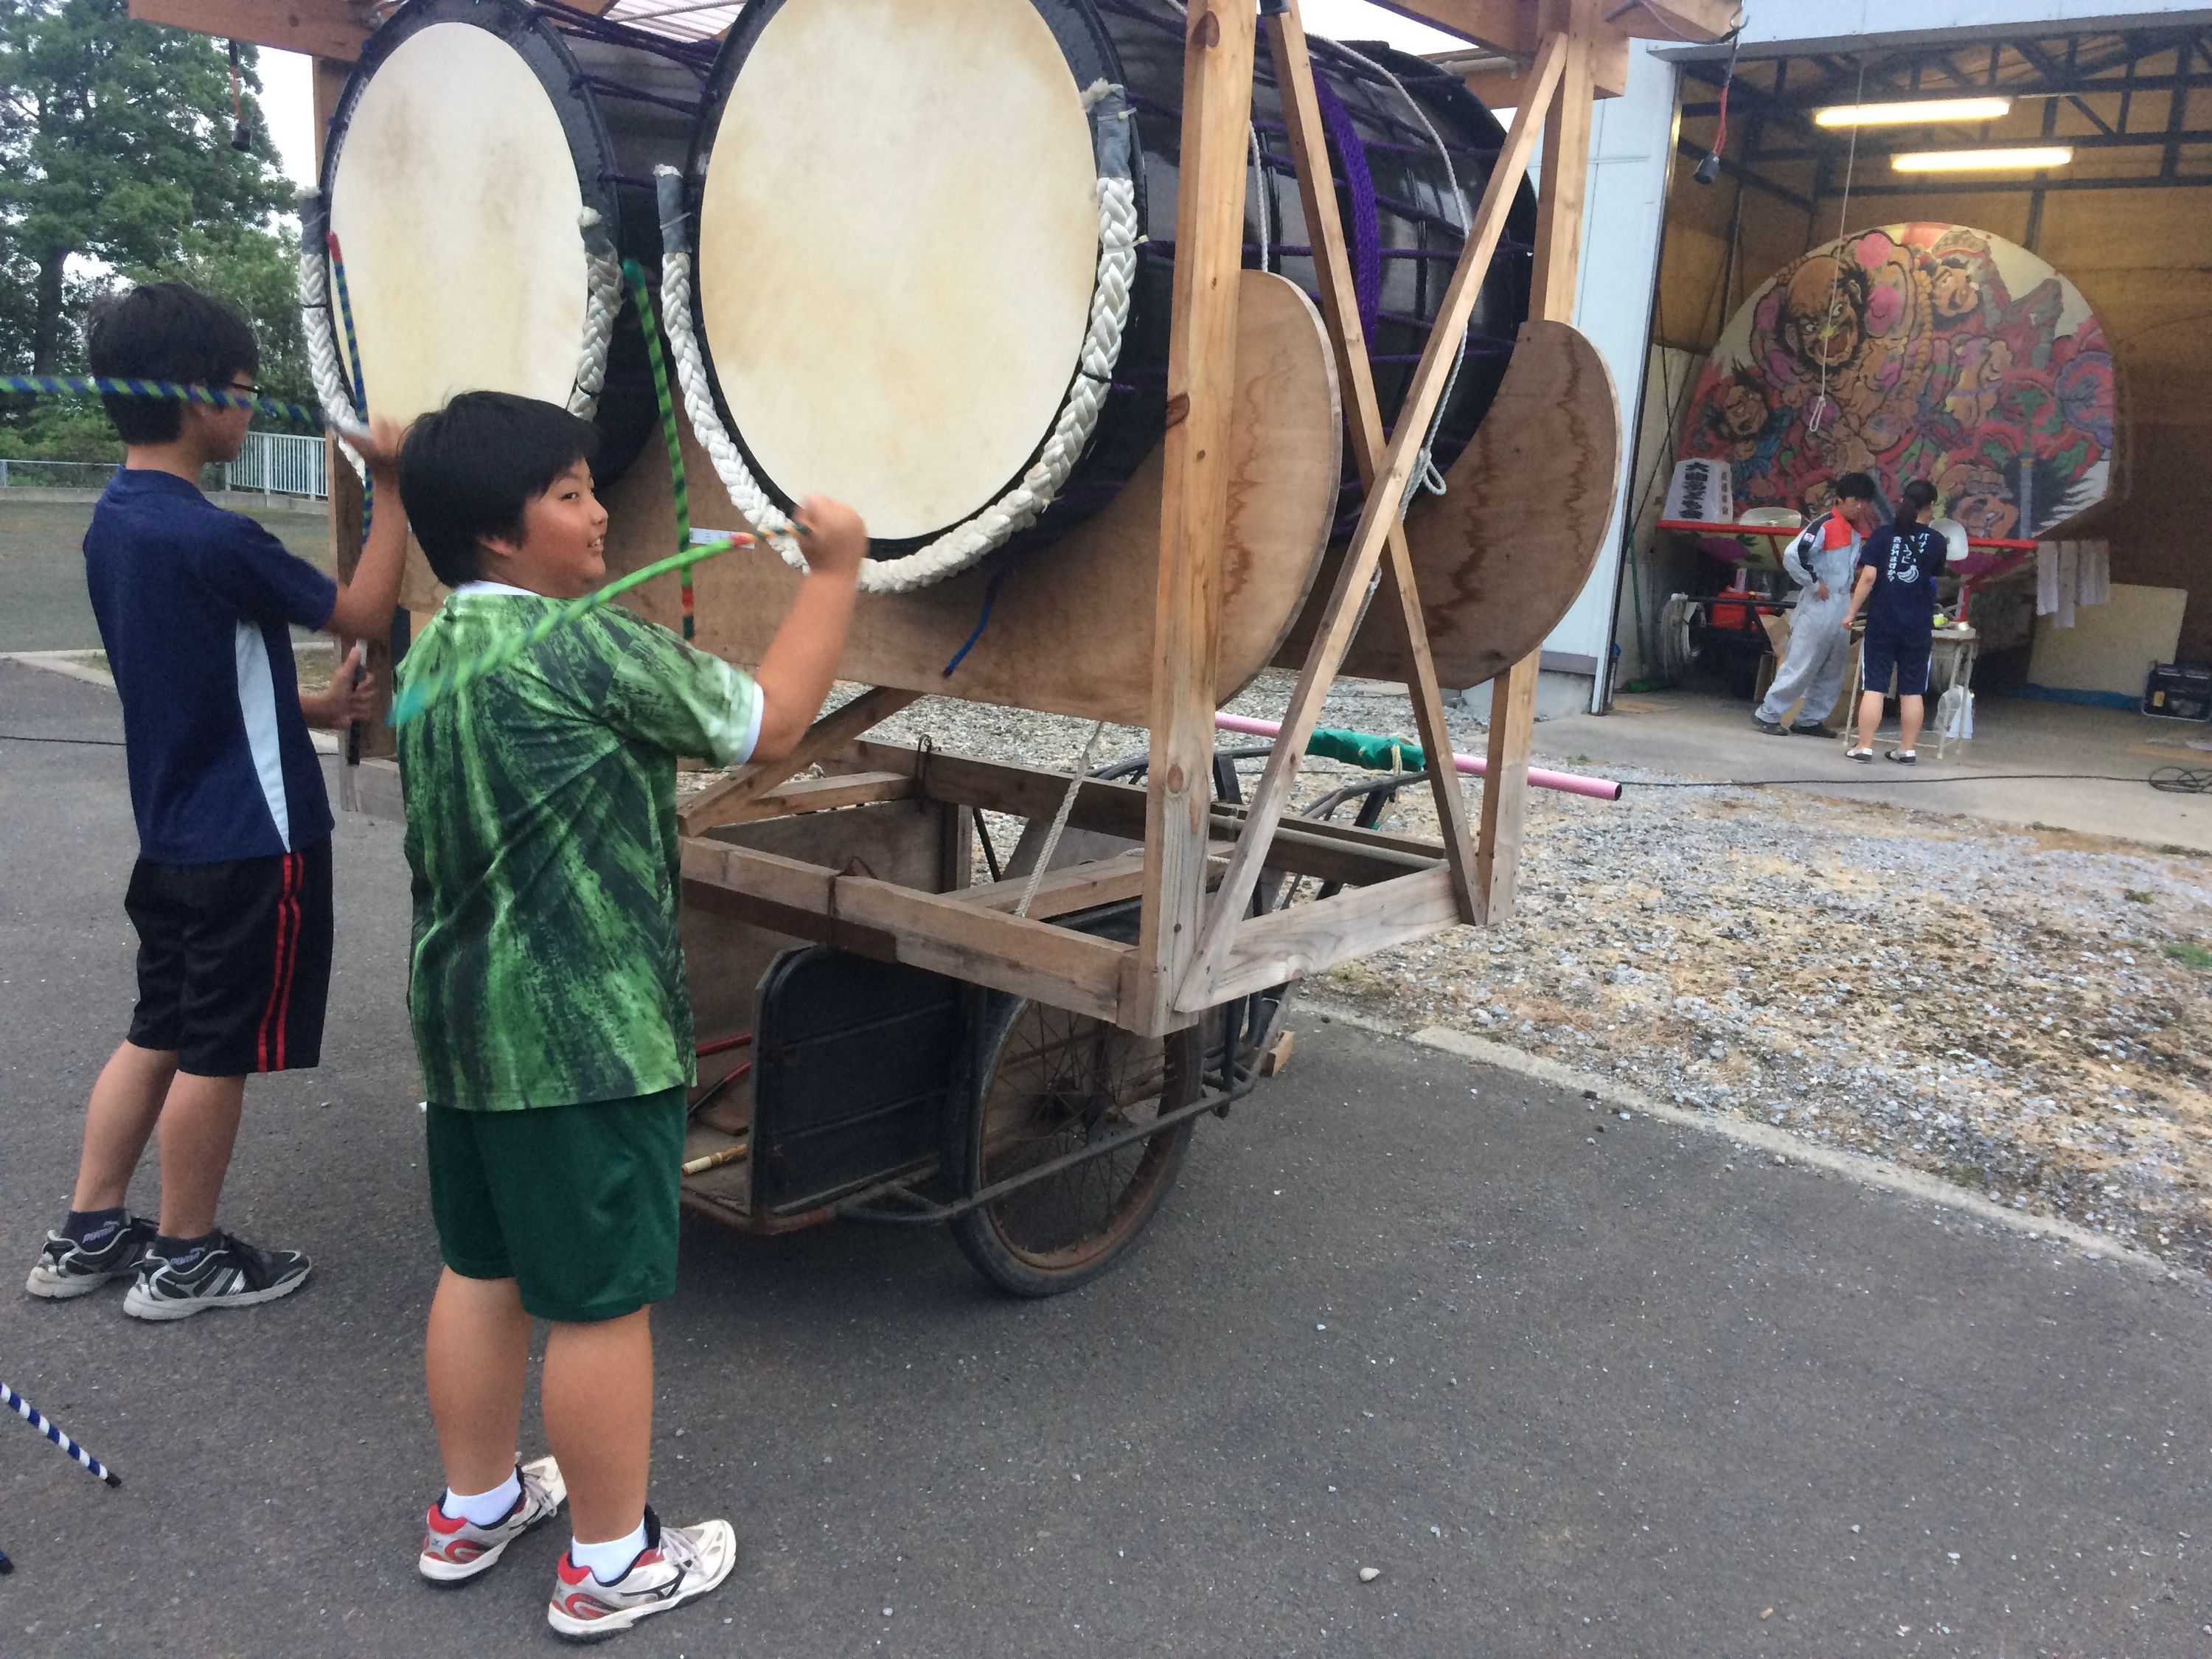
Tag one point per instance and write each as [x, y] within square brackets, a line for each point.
[1914, 351]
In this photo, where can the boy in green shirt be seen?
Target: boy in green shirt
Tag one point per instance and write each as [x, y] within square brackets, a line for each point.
[548, 994]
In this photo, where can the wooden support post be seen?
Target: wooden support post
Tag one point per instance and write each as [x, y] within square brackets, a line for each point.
[729, 801]
[1376, 519]
[1286, 38]
[1558, 266]
[1216, 91]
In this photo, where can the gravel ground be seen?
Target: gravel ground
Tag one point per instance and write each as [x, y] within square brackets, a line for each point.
[2027, 1013]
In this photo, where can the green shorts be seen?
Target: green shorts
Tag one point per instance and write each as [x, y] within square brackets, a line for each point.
[576, 1204]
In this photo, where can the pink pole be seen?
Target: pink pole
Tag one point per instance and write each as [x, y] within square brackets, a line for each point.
[1571, 783]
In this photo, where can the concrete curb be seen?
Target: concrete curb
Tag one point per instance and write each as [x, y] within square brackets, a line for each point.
[1777, 1144]
[60, 662]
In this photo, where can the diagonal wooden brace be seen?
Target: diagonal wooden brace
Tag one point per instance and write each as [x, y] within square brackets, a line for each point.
[1287, 37]
[1376, 520]
[729, 800]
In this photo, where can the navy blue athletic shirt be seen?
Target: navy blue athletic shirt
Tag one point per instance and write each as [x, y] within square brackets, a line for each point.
[195, 605]
[1906, 563]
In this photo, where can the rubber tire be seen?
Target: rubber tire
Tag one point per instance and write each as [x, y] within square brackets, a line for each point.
[978, 1237]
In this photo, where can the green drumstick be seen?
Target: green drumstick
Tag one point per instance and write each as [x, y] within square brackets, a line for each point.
[420, 695]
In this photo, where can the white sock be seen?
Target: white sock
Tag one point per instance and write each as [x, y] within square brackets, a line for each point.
[610, 1560]
[484, 1508]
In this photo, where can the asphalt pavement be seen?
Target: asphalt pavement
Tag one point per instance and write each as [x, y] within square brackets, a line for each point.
[1628, 1392]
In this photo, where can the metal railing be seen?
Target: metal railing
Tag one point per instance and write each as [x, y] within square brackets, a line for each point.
[280, 464]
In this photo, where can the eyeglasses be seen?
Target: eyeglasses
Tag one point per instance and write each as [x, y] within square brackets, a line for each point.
[249, 389]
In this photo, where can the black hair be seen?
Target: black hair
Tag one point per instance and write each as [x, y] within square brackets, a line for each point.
[1858, 486]
[1914, 496]
[164, 331]
[468, 470]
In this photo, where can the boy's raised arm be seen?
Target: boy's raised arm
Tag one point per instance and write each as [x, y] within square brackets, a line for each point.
[363, 610]
[801, 661]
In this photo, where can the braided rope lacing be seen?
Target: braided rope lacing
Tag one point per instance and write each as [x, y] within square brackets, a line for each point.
[602, 307]
[603, 303]
[966, 542]
[333, 392]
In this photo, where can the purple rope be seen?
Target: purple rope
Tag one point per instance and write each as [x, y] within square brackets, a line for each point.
[1359, 184]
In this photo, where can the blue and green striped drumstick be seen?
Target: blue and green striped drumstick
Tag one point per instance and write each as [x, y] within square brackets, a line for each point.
[109, 387]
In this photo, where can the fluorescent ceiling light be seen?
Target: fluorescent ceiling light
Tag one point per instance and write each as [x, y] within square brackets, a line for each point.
[2032, 158]
[1915, 113]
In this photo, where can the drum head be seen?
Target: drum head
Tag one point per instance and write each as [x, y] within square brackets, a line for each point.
[455, 200]
[898, 239]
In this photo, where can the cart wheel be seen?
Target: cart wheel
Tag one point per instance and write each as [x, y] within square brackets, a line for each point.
[1047, 1083]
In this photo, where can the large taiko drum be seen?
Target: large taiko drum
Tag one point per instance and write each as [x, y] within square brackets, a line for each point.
[905, 219]
[489, 165]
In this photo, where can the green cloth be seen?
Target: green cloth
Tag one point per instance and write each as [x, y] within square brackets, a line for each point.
[578, 1205]
[1365, 749]
[542, 836]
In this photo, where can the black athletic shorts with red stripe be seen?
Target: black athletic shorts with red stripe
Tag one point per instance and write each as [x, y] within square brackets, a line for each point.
[234, 961]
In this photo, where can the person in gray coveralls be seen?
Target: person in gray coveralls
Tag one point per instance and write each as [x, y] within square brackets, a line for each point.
[1821, 561]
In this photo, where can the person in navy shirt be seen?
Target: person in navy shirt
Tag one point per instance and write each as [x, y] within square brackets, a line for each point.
[231, 894]
[1896, 587]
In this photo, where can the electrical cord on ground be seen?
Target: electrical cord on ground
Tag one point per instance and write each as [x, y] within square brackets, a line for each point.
[88, 743]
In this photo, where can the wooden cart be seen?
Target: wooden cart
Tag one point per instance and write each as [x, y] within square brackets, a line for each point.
[921, 1051]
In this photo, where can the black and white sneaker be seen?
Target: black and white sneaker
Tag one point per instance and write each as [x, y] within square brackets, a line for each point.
[219, 1272]
[76, 1267]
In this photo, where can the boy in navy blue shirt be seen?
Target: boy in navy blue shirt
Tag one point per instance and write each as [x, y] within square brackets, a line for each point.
[231, 895]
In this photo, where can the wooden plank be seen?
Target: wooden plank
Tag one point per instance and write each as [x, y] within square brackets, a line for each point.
[1219, 42]
[1286, 38]
[722, 803]
[1558, 263]
[893, 923]
[1678, 20]
[1507, 26]
[1075, 887]
[1102, 881]
[1057, 966]
[1501, 554]
[1045, 649]
[1308, 937]
[1505, 85]
[319, 28]
[1379, 514]
[824, 795]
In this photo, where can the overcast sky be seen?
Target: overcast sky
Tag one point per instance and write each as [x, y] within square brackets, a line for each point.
[288, 102]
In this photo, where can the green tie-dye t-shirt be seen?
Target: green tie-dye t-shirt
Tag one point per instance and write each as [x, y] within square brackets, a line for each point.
[542, 836]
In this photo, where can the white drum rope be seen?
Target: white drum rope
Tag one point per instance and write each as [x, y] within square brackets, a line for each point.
[603, 304]
[332, 392]
[1426, 474]
[1019, 508]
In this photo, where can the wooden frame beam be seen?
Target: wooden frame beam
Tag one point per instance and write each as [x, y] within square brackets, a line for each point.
[1217, 91]
[1377, 519]
[1294, 76]
[729, 801]
[331, 30]
[1558, 266]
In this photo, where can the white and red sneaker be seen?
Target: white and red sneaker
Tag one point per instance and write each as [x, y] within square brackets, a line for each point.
[677, 1564]
[455, 1550]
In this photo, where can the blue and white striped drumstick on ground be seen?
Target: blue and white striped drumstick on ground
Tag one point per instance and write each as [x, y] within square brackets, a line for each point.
[31, 1414]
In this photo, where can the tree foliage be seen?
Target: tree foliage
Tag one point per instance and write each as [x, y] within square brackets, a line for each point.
[115, 162]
